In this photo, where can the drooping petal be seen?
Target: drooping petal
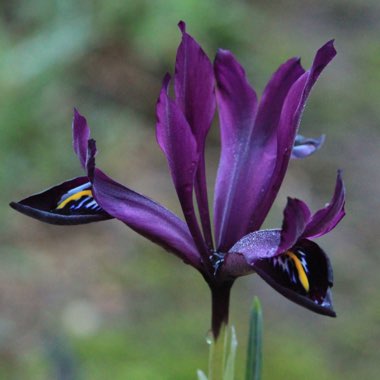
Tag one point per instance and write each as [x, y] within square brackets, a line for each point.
[296, 217]
[177, 141]
[291, 113]
[81, 134]
[146, 217]
[243, 255]
[302, 274]
[328, 217]
[69, 203]
[258, 245]
[306, 146]
[249, 143]
[194, 90]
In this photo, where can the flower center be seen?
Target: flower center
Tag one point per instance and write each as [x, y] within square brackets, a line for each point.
[217, 260]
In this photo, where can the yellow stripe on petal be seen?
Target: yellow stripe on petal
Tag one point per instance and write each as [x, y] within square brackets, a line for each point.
[74, 197]
[301, 270]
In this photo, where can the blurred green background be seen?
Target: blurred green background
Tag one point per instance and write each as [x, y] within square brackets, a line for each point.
[98, 301]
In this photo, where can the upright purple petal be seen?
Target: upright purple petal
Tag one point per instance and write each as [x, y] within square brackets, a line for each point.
[81, 134]
[237, 103]
[146, 217]
[194, 86]
[249, 144]
[273, 97]
[291, 113]
[177, 141]
[296, 217]
[328, 217]
[194, 90]
[306, 146]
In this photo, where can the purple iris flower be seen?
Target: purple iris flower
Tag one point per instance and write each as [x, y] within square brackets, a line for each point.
[258, 139]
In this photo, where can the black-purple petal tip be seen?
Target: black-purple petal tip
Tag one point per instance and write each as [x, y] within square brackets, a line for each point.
[182, 26]
[166, 81]
[58, 219]
[68, 203]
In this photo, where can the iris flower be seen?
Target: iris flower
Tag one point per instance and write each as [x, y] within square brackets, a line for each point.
[258, 139]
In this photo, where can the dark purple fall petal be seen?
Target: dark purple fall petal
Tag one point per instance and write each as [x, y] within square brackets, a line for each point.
[302, 274]
[146, 217]
[328, 217]
[305, 146]
[194, 90]
[81, 134]
[177, 141]
[258, 245]
[291, 113]
[69, 203]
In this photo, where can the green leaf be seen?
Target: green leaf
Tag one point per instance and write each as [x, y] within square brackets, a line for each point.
[229, 372]
[254, 352]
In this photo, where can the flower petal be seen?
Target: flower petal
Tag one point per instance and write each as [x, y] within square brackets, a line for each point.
[291, 113]
[249, 144]
[306, 146]
[243, 255]
[258, 245]
[146, 217]
[296, 217]
[272, 100]
[194, 86]
[81, 134]
[194, 90]
[302, 274]
[237, 103]
[328, 217]
[69, 203]
[176, 140]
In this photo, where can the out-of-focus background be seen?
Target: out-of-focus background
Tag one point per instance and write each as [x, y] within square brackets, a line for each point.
[100, 302]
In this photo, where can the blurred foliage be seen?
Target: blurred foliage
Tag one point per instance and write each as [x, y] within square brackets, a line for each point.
[97, 301]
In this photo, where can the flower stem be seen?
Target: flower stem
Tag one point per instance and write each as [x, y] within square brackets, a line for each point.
[220, 295]
[217, 357]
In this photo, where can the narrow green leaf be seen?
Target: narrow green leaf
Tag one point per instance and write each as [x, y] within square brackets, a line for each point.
[201, 375]
[229, 372]
[254, 352]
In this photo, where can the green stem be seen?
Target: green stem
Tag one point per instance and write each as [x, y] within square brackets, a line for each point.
[220, 295]
[217, 359]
